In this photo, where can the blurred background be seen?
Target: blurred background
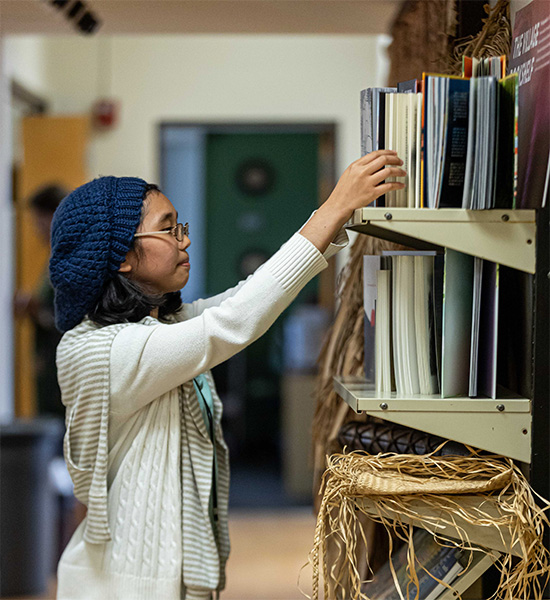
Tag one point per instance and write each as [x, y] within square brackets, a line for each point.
[245, 113]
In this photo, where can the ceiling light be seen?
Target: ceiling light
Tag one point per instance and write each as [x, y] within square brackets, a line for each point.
[75, 9]
[88, 23]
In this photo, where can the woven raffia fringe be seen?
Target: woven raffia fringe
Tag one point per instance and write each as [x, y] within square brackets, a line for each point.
[395, 483]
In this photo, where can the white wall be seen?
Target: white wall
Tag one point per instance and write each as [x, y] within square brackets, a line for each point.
[201, 78]
[25, 59]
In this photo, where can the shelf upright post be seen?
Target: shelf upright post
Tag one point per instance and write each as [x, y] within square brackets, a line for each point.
[540, 384]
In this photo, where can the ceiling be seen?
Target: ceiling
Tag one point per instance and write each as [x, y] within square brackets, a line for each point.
[206, 16]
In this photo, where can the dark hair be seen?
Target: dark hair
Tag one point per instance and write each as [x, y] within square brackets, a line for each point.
[123, 300]
[48, 198]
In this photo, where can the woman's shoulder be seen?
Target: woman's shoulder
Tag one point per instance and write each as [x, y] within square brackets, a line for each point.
[88, 332]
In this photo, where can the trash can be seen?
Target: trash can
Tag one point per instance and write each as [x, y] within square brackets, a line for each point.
[27, 505]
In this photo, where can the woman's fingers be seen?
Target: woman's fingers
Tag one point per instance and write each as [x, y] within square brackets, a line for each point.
[384, 188]
[382, 174]
[364, 180]
[382, 161]
[372, 156]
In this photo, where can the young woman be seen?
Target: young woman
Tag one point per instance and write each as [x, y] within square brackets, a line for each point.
[144, 444]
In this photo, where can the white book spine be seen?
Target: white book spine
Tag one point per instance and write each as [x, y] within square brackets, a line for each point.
[418, 150]
[391, 125]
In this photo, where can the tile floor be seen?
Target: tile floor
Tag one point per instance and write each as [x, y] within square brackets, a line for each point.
[268, 549]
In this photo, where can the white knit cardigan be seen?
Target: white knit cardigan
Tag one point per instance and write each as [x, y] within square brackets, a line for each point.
[136, 444]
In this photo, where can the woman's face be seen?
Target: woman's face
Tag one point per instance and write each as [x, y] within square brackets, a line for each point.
[162, 263]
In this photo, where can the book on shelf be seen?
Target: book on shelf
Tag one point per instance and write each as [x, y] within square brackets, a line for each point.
[373, 118]
[457, 323]
[376, 304]
[403, 132]
[384, 376]
[488, 334]
[401, 335]
[495, 66]
[489, 169]
[432, 323]
[371, 268]
[530, 60]
[446, 117]
[412, 86]
[434, 564]
[455, 135]
[506, 141]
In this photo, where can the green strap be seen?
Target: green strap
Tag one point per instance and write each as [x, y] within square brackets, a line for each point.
[206, 403]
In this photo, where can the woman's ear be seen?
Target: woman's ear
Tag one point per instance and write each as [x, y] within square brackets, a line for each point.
[125, 267]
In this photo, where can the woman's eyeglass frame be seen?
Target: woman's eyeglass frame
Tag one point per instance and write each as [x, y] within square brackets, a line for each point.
[179, 232]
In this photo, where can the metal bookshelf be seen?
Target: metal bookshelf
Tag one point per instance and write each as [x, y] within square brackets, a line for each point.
[512, 426]
[504, 236]
[501, 426]
[486, 537]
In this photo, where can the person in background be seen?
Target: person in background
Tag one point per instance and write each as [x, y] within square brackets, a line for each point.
[39, 307]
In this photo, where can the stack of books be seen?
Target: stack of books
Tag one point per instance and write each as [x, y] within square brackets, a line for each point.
[432, 323]
[455, 135]
[435, 566]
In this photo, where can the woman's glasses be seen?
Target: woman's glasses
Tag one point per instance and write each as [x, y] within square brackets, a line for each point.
[179, 232]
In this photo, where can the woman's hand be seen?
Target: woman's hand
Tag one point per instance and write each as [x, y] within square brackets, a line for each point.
[364, 181]
[360, 184]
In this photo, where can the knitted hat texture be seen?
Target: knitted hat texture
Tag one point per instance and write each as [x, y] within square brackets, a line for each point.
[92, 231]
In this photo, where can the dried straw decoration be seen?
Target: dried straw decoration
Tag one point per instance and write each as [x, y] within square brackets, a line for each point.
[423, 34]
[395, 483]
[494, 39]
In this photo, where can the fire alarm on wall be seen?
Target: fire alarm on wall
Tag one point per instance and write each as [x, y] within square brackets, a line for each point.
[105, 113]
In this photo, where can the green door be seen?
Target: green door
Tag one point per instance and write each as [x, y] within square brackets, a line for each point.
[260, 188]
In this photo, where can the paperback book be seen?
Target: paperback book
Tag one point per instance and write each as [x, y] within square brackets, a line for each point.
[411, 325]
[403, 133]
[489, 173]
[446, 117]
[435, 566]
[373, 118]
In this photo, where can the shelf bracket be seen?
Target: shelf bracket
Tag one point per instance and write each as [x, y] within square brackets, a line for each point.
[429, 518]
[501, 426]
[504, 236]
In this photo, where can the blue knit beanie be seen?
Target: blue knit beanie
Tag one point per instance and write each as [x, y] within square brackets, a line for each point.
[92, 231]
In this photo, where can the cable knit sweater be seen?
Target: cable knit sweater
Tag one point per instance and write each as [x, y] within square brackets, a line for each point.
[137, 446]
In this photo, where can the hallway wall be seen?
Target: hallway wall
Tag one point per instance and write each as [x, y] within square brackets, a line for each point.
[216, 78]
